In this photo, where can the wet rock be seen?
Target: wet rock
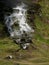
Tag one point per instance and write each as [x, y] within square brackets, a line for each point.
[28, 40]
[23, 46]
[17, 41]
[24, 41]
[9, 57]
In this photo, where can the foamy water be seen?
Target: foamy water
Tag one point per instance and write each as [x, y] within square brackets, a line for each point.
[20, 16]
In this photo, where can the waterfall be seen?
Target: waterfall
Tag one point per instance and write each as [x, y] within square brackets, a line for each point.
[18, 17]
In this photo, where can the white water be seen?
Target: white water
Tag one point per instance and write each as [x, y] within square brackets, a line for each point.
[20, 18]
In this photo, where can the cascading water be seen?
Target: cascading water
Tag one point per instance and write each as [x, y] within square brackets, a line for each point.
[18, 17]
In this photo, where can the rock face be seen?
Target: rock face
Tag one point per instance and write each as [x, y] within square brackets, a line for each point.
[10, 3]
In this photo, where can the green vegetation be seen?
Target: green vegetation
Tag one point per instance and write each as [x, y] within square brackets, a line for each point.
[38, 52]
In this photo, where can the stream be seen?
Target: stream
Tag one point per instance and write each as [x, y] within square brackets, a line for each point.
[18, 27]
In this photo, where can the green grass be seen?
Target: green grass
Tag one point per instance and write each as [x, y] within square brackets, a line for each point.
[38, 56]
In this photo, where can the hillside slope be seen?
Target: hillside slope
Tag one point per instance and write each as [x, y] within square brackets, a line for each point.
[38, 52]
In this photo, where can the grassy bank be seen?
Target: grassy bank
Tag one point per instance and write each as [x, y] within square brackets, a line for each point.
[38, 52]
